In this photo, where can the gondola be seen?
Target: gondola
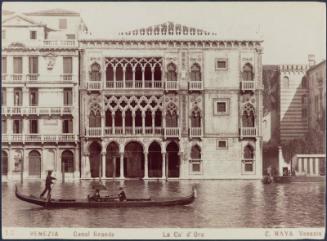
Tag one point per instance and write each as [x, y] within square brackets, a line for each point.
[105, 202]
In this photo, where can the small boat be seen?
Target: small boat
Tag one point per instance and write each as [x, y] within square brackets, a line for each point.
[267, 180]
[105, 202]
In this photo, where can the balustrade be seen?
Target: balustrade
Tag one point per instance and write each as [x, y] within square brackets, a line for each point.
[94, 85]
[171, 85]
[40, 138]
[195, 85]
[62, 43]
[171, 132]
[17, 77]
[108, 131]
[196, 132]
[247, 85]
[138, 130]
[248, 132]
[66, 77]
[32, 77]
[3, 77]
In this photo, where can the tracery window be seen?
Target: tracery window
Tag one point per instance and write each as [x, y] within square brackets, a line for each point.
[95, 119]
[248, 158]
[247, 72]
[171, 116]
[95, 74]
[248, 116]
[195, 72]
[171, 72]
[196, 117]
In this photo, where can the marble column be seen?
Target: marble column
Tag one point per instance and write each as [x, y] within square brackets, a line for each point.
[143, 123]
[146, 167]
[122, 165]
[299, 164]
[113, 123]
[153, 123]
[133, 122]
[163, 165]
[123, 122]
[305, 164]
[311, 160]
[317, 166]
[103, 166]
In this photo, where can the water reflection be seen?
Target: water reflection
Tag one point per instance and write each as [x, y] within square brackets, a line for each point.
[219, 204]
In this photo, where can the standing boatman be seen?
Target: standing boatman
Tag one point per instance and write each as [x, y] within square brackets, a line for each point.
[48, 183]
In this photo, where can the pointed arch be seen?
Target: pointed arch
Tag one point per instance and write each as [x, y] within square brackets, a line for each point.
[110, 73]
[248, 74]
[95, 74]
[171, 72]
[248, 115]
[195, 72]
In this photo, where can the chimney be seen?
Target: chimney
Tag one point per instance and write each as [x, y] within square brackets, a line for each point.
[311, 60]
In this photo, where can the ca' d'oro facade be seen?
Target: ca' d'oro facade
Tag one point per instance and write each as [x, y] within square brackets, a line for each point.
[170, 101]
[166, 101]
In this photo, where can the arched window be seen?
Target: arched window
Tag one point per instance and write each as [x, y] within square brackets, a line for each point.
[247, 72]
[196, 153]
[171, 72]
[148, 118]
[95, 119]
[171, 115]
[304, 83]
[195, 72]
[110, 73]
[157, 73]
[95, 74]
[248, 153]
[129, 73]
[158, 118]
[138, 72]
[128, 118]
[34, 165]
[248, 116]
[67, 159]
[286, 82]
[119, 73]
[196, 117]
[4, 163]
[108, 118]
[118, 118]
[147, 72]
[138, 118]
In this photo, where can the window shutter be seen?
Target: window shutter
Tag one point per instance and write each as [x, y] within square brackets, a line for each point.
[70, 126]
[20, 124]
[68, 65]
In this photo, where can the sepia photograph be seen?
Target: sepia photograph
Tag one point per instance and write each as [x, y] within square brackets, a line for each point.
[163, 120]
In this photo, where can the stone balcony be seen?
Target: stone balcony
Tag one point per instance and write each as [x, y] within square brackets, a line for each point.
[37, 110]
[133, 85]
[122, 131]
[195, 132]
[195, 85]
[247, 85]
[172, 132]
[38, 138]
[48, 43]
[37, 78]
[171, 85]
[248, 132]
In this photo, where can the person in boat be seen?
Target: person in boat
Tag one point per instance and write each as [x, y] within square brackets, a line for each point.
[48, 182]
[122, 195]
[96, 195]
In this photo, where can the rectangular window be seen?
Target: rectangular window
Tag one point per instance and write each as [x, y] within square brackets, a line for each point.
[62, 23]
[248, 167]
[195, 167]
[18, 65]
[4, 126]
[33, 35]
[18, 97]
[67, 126]
[221, 64]
[221, 106]
[4, 65]
[3, 96]
[70, 36]
[221, 144]
[68, 65]
[33, 126]
[33, 65]
[68, 97]
[34, 97]
[17, 126]
[3, 34]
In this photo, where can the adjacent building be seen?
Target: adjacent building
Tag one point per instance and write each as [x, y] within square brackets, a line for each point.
[40, 99]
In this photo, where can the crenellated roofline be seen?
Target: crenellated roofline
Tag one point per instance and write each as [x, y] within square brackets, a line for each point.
[293, 67]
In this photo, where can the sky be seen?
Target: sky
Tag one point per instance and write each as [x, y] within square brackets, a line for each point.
[290, 30]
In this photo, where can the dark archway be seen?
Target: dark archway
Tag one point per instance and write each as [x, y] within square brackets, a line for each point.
[112, 160]
[34, 163]
[133, 160]
[67, 159]
[155, 160]
[173, 159]
[95, 159]
[4, 163]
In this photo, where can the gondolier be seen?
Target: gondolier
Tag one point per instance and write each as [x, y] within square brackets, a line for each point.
[48, 182]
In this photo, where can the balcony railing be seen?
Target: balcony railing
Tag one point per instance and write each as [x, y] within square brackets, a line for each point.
[196, 132]
[195, 85]
[59, 43]
[3, 77]
[133, 85]
[94, 85]
[32, 77]
[171, 85]
[17, 77]
[36, 110]
[40, 138]
[66, 77]
[172, 132]
[119, 131]
[247, 85]
[248, 132]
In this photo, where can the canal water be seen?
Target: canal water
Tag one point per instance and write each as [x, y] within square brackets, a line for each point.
[220, 204]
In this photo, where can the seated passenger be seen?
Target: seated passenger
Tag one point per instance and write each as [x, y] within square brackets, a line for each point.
[96, 195]
[122, 195]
